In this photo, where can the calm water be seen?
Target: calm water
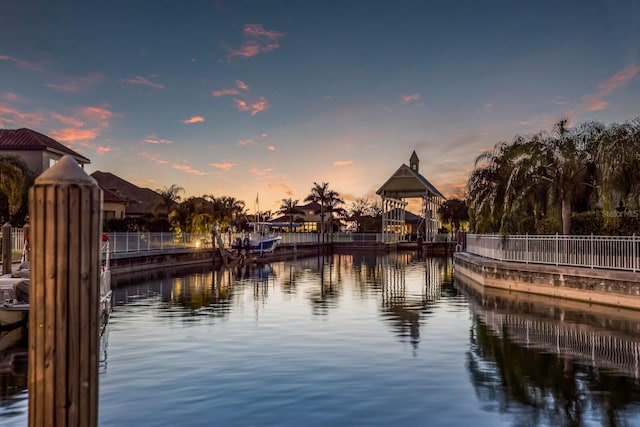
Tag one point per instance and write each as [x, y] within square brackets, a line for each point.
[355, 340]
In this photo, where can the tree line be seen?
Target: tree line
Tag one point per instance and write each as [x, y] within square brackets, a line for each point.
[579, 180]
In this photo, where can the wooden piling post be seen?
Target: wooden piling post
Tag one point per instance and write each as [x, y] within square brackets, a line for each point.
[7, 248]
[65, 209]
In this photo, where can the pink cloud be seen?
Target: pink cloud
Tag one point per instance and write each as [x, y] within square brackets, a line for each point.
[596, 101]
[343, 162]
[188, 169]
[22, 63]
[152, 139]
[271, 148]
[225, 92]
[619, 79]
[16, 117]
[153, 158]
[410, 98]
[254, 107]
[139, 80]
[100, 115]
[194, 119]
[78, 84]
[258, 41]
[260, 172]
[244, 142]
[224, 166]
[280, 186]
[257, 30]
[488, 106]
[242, 85]
[11, 97]
[74, 134]
[71, 121]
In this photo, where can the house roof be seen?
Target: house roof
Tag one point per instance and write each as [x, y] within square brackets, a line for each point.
[139, 200]
[110, 196]
[406, 182]
[27, 139]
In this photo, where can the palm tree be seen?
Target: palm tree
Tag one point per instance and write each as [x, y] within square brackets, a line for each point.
[559, 160]
[15, 180]
[289, 207]
[333, 206]
[319, 194]
[171, 196]
[454, 212]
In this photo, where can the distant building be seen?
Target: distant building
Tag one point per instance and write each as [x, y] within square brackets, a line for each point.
[139, 202]
[308, 216]
[39, 151]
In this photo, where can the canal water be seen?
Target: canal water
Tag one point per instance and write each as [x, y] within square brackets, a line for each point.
[354, 340]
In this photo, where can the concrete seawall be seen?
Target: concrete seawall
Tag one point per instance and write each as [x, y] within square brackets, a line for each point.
[608, 287]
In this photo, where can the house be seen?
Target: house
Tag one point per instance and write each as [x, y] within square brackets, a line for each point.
[309, 218]
[39, 151]
[140, 202]
[113, 206]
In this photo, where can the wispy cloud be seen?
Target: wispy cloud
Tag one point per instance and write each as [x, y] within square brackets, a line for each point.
[271, 148]
[22, 63]
[192, 120]
[225, 92]
[74, 134]
[78, 84]
[488, 106]
[243, 142]
[259, 40]
[71, 121]
[254, 107]
[152, 139]
[14, 117]
[88, 124]
[343, 162]
[257, 30]
[596, 101]
[188, 169]
[406, 99]
[139, 80]
[260, 172]
[242, 85]
[280, 186]
[153, 157]
[224, 166]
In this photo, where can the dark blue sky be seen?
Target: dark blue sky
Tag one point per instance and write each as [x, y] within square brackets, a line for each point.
[245, 97]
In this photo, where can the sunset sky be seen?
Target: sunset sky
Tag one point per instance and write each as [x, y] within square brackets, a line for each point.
[239, 98]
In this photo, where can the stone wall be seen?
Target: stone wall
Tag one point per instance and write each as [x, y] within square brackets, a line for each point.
[609, 287]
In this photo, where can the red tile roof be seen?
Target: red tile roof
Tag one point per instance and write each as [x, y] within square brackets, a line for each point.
[27, 139]
[139, 200]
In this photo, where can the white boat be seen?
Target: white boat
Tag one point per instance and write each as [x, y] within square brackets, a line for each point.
[14, 300]
[259, 241]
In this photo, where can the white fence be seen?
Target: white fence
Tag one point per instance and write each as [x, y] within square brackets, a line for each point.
[614, 252]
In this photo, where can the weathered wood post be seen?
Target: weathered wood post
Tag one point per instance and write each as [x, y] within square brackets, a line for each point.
[7, 250]
[65, 213]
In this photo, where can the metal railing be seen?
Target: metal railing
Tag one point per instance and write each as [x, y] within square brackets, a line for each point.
[612, 252]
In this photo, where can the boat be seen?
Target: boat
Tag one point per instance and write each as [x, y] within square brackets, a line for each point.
[14, 292]
[261, 240]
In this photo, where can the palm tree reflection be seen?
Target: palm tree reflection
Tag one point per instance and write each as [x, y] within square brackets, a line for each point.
[513, 358]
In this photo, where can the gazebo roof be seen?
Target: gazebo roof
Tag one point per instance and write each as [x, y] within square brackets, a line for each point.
[407, 183]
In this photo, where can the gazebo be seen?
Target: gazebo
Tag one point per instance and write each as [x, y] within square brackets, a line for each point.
[407, 183]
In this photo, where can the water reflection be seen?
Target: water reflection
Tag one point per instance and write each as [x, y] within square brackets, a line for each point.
[559, 359]
[257, 343]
